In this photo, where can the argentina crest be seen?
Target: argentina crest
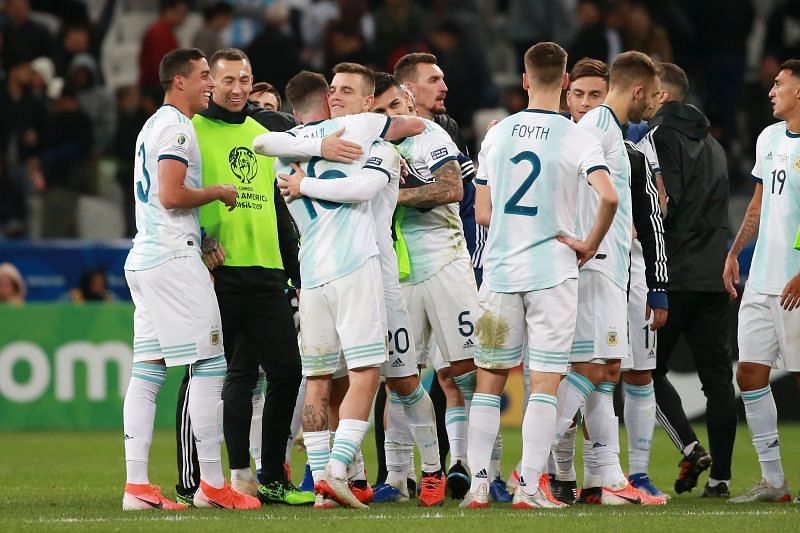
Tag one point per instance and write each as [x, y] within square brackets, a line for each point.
[244, 164]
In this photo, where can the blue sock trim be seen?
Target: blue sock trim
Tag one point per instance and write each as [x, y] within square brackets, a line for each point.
[755, 395]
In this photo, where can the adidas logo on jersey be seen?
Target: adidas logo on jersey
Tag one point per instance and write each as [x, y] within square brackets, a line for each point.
[769, 156]
[397, 363]
[469, 344]
[482, 474]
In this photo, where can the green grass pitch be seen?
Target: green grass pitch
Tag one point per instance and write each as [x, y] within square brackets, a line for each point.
[71, 481]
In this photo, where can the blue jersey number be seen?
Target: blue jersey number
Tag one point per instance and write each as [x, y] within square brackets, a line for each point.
[327, 175]
[143, 192]
[512, 206]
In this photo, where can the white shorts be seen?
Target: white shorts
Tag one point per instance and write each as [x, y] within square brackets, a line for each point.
[347, 315]
[602, 330]
[446, 307]
[768, 333]
[402, 360]
[641, 341]
[545, 319]
[176, 316]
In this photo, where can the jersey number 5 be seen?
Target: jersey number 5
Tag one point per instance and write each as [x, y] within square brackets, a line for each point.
[512, 206]
[143, 192]
[327, 175]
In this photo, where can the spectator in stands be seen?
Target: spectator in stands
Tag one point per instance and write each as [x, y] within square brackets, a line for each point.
[131, 116]
[75, 40]
[23, 39]
[217, 18]
[543, 20]
[595, 38]
[644, 34]
[782, 40]
[93, 287]
[95, 100]
[757, 109]
[158, 40]
[265, 96]
[344, 43]
[274, 54]
[399, 24]
[13, 205]
[12, 286]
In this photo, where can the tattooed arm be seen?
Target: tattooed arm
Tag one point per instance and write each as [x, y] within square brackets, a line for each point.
[747, 232]
[446, 189]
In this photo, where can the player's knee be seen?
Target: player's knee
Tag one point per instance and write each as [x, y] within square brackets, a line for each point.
[752, 376]
[638, 378]
[403, 386]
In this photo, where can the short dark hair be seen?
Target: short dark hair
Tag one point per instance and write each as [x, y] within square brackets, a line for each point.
[264, 87]
[385, 81]
[632, 66]
[177, 62]
[406, 67]
[589, 68]
[303, 87]
[228, 54]
[793, 65]
[674, 76]
[366, 73]
[545, 63]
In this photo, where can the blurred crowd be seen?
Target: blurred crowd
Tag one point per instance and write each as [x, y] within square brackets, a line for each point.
[64, 125]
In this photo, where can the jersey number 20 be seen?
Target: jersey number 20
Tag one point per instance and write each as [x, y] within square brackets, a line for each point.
[512, 206]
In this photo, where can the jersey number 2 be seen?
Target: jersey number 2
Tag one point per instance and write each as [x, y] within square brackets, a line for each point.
[512, 206]
[143, 192]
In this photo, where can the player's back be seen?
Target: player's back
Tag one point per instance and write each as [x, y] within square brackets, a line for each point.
[163, 234]
[613, 255]
[533, 163]
[383, 156]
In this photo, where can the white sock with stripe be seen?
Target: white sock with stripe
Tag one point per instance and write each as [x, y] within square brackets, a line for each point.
[762, 417]
[318, 450]
[538, 430]
[421, 418]
[564, 455]
[398, 442]
[603, 428]
[205, 411]
[346, 443]
[139, 416]
[484, 425]
[572, 393]
[455, 420]
[640, 420]
[466, 384]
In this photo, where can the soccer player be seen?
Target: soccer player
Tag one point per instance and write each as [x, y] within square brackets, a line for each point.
[342, 306]
[265, 96]
[769, 320]
[602, 328]
[530, 291]
[177, 320]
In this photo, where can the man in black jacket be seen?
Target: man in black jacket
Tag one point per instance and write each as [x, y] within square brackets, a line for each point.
[693, 167]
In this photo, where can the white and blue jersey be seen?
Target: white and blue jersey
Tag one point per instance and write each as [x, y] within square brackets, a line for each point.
[163, 234]
[613, 255]
[777, 167]
[533, 163]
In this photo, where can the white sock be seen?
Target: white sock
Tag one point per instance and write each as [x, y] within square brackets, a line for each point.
[564, 455]
[419, 413]
[242, 474]
[484, 425]
[397, 442]
[538, 430]
[591, 472]
[689, 448]
[318, 450]
[139, 416]
[762, 417]
[355, 470]
[255, 422]
[572, 393]
[497, 454]
[297, 421]
[455, 420]
[714, 482]
[346, 443]
[603, 429]
[466, 384]
[640, 419]
[205, 412]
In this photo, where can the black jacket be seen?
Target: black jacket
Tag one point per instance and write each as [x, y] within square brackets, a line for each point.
[255, 278]
[695, 172]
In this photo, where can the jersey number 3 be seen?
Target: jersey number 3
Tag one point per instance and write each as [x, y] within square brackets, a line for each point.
[512, 206]
[142, 192]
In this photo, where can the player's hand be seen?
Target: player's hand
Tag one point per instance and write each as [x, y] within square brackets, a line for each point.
[334, 148]
[213, 253]
[583, 249]
[659, 317]
[730, 275]
[289, 184]
[404, 170]
[790, 297]
[227, 195]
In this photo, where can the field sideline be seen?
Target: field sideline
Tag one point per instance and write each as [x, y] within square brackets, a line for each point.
[60, 481]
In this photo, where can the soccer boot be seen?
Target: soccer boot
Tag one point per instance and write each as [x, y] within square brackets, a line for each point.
[478, 499]
[224, 498]
[513, 481]
[284, 491]
[458, 481]
[628, 495]
[564, 491]
[337, 489]
[385, 493]
[185, 496]
[643, 483]
[498, 491]
[307, 485]
[411, 486]
[763, 492]
[720, 490]
[541, 499]
[321, 502]
[433, 489]
[245, 486]
[139, 497]
[590, 495]
[691, 467]
[797, 500]
[362, 490]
